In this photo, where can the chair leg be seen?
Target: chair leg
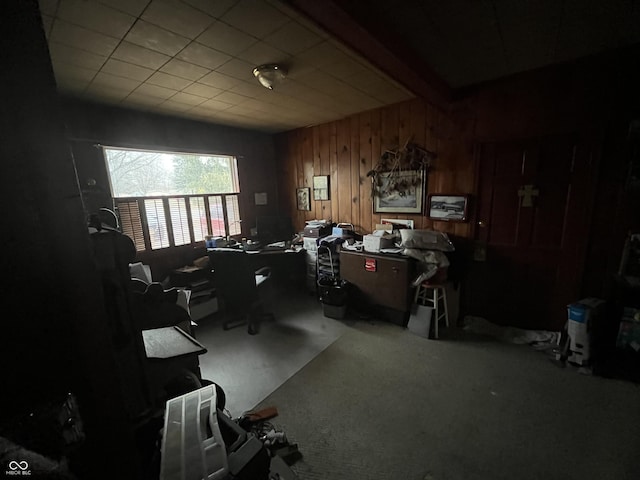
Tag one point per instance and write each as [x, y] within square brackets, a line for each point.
[446, 308]
[229, 324]
[436, 311]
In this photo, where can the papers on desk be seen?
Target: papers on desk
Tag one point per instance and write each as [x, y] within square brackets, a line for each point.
[276, 245]
[356, 246]
[316, 223]
[391, 250]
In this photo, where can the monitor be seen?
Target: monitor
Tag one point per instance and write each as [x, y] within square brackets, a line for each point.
[275, 228]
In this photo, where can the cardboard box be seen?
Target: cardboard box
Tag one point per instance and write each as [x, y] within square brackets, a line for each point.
[374, 243]
[582, 315]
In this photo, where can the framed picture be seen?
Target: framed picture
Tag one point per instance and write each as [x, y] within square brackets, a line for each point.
[321, 187]
[304, 198]
[399, 192]
[448, 207]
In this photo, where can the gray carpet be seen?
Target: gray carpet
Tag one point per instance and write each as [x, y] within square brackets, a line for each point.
[382, 403]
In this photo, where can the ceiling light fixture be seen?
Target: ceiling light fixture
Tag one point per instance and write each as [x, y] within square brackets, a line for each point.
[269, 75]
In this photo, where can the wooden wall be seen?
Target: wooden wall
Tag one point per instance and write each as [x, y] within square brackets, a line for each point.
[349, 148]
[594, 97]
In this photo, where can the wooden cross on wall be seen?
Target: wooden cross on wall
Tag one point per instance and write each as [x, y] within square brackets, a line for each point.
[527, 192]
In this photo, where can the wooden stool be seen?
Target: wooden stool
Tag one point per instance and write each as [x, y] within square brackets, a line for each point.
[431, 295]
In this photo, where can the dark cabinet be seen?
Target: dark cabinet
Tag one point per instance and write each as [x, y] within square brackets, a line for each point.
[382, 281]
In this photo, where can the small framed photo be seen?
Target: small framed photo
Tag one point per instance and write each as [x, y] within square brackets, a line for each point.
[448, 207]
[321, 187]
[303, 196]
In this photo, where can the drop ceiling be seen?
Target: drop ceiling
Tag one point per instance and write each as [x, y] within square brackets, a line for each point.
[194, 58]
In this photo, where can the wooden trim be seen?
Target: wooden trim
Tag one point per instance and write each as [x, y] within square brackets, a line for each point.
[407, 69]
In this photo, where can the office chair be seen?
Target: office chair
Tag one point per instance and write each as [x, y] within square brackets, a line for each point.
[240, 287]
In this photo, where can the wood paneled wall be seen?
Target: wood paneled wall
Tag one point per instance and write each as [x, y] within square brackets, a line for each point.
[349, 148]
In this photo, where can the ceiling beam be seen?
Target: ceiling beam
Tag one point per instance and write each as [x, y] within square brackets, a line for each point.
[387, 55]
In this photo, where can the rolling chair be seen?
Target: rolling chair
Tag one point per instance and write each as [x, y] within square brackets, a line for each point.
[240, 287]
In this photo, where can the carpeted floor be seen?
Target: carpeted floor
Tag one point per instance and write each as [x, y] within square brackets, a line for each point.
[382, 403]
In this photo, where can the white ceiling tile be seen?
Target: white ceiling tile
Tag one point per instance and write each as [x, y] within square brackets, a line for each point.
[187, 99]
[128, 52]
[243, 110]
[214, 8]
[155, 91]
[114, 81]
[230, 97]
[183, 69]
[132, 7]
[218, 80]
[104, 92]
[253, 90]
[202, 90]
[79, 37]
[226, 38]
[96, 17]
[258, 105]
[203, 56]
[238, 69]
[172, 106]
[347, 68]
[177, 17]
[293, 38]
[255, 17]
[155, 38]
[168, 81]
[261, 53]
[140, 98]
[298, 68]
[214, 104]
[75, 56]
[127, 70]
[322, 54]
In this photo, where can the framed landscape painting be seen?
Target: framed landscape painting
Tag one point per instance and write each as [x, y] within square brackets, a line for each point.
[399, 192]
[448, 208]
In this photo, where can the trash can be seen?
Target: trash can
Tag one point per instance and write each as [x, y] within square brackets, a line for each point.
[333, 295]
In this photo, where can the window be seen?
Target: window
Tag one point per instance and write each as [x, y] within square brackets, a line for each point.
[167, 199]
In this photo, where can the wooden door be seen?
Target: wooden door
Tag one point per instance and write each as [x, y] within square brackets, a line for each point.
[534, 199]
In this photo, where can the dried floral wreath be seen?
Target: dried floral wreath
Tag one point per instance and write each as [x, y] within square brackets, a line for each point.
[396, 165]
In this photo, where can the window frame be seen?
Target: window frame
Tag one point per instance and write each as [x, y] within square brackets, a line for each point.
[230, 228]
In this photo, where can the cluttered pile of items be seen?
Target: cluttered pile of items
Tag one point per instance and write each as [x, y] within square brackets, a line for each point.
[200, 440]
[428, 247]
[324, 242]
